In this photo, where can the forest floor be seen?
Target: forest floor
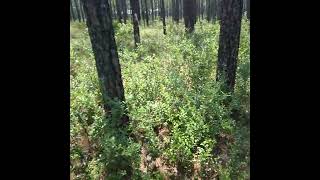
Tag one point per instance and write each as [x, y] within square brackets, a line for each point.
[181, 128]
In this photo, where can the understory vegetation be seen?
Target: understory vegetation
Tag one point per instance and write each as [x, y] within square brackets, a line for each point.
[180, 126]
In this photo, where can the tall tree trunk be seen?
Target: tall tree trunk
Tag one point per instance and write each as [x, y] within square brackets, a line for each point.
[230, 27]
[124, 11]
[168, 11]
[248, 9]
[163, 16]
[176, 11]
[244, 8]
[159, 9]
[173, 8]
[181, 9]
[209, 10]
[138, 10]
[118, 5]
[143, 12]
[214, 10]
[135, 21]
[189, 13]
[218, 4]
[78, 10]
[82, 11]
[113, 9]
[146, 11]
[198, 9]
[72, 12]
[152, 10]
[202, 8]
[101, 32]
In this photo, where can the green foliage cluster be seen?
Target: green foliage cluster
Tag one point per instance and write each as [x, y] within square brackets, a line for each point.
[170, 87]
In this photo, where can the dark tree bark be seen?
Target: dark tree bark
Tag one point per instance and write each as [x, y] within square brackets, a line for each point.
[230, 27]
[218, 9]
[143, 12]
[180, 9]
[135, 21]
[125, 11]
[138, 11]
[214, 10]
[173, 7]
[189, 13]
[152, 10]
[73, 17]
[176, 11]
[163, 16]
[209, 10]
[146, 11]
[159, 8]
[82, 11]
[202, 8]
[248, 9]
[168, 7]
[113, 9]
[119, 14]
[244, 9]
[78, 11]
[198, 10]
[101, 32]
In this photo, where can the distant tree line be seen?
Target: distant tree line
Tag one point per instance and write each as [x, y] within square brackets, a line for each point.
[150, 10]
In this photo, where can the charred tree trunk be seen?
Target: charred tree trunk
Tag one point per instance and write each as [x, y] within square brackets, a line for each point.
[198, 10]
[244, 9]
[146, 11]
[209, 10]
[152, 10]
[143, 12]
[159, 8]
[101, 32]
[138, 10]
[218, 4]
[180, 9]
[248, 9]
[119, 15]
[135, 21]
[189, 13]
[214, 10]
[202, 9]
[73, 17]
[78, 10]
[82, 11]
[113, 9]
[173, 7]
[163, 16]
[229, 39]
[125, 11]
[176, 11]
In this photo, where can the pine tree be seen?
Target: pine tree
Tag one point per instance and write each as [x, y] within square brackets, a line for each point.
[163, 16]
[189, 13]
[135, 20]
[230, 27]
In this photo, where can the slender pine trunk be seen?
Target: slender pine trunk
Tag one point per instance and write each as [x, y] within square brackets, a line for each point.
[163, 16]
[230, 27]
[135, 21]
